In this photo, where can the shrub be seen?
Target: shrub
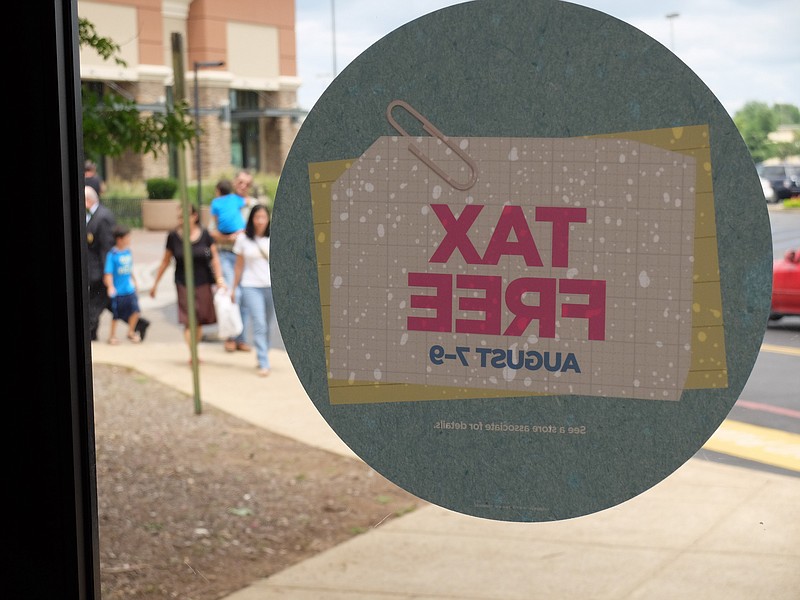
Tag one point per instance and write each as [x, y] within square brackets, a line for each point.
[207, 190]
[121, 188]
[161, 188]
[267, 185]
[791, 203]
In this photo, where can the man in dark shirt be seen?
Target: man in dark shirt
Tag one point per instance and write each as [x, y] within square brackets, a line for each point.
[99, 239]
[91, 178]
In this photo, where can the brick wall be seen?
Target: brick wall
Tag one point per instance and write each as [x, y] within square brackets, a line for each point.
[277, 136]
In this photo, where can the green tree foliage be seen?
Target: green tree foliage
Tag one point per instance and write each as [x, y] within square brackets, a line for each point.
[787, 114]
[756, 120]
[112, 123]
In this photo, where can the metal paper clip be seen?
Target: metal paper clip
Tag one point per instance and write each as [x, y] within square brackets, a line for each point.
[432, 130]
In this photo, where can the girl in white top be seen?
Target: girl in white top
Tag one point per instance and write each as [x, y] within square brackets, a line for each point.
[252, 279]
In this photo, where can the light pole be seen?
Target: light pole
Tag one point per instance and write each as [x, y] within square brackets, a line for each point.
[197, 66]
[671, 17]
[333, 34]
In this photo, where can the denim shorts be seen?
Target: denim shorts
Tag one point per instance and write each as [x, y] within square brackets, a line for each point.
[125, 306]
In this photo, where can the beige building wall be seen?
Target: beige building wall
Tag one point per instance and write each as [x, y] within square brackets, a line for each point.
[254, 38]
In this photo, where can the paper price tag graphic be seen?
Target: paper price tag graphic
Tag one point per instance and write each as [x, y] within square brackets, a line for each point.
[468, 267]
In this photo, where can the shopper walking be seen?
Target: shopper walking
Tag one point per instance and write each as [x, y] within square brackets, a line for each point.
[121, 286]
[206, 268]
[99, 240]
[228, 223]
[253, 281]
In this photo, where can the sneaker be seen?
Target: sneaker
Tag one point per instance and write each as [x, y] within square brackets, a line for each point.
[243, 347]
[263, 372]
[141, 327]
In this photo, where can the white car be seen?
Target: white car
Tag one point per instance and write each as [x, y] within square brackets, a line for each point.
[769, 193]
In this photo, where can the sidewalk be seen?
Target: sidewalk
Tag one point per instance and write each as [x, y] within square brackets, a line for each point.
[707, 532]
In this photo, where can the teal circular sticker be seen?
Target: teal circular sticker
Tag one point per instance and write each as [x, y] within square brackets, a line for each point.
[521, 259]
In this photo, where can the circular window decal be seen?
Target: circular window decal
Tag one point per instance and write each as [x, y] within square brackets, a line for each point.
[521, 260]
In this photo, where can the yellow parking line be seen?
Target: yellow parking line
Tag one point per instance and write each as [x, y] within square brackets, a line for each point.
[780, 349]
[760, 444]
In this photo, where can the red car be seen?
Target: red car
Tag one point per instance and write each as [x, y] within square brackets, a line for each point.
[786, 285]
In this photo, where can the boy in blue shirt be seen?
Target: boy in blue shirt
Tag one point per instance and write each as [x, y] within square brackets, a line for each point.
[226, 209]
[121, 285]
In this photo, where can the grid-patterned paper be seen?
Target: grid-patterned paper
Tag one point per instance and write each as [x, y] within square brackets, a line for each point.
[510, 294]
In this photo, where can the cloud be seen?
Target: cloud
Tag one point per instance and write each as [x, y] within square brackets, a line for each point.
[734, 46]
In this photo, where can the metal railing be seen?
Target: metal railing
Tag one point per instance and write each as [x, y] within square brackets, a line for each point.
[127, 211]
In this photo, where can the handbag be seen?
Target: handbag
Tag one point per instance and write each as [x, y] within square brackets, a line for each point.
[229, 317]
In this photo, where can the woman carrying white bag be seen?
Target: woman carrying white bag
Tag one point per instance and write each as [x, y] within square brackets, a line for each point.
[206, 269]
[252, 278]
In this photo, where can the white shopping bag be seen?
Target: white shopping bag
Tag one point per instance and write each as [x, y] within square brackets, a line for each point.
[229, 317]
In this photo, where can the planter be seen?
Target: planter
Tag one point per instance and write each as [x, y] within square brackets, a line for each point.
[160, 215]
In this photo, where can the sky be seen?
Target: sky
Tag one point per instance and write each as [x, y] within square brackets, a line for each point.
[743, 50]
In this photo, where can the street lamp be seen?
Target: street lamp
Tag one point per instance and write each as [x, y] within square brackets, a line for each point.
[333, 34]
[197, 66]
[671, 17]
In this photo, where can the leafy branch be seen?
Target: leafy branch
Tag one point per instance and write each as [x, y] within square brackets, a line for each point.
[113, 124]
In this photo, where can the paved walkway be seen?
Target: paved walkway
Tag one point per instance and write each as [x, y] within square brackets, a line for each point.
[709, 531]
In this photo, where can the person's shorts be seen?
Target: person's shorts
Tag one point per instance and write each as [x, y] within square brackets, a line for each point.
[124, 307]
